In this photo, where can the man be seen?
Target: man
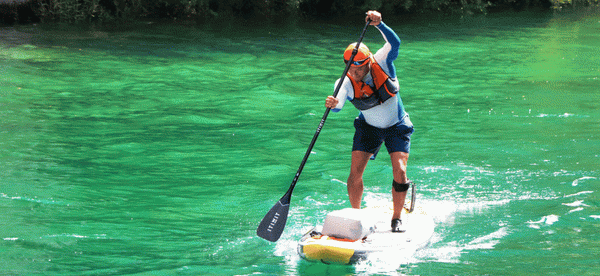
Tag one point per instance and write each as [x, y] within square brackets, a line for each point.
[372, 86]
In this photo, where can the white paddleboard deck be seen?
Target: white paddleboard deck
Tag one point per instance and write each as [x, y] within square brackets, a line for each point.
[419, 227]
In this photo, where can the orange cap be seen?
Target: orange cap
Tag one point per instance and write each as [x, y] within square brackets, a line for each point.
[362, 55]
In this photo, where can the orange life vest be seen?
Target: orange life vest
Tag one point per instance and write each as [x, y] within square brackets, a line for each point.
[366, 96]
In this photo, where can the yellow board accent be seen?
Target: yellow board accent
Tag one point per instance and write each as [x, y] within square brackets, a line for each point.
[327, 254]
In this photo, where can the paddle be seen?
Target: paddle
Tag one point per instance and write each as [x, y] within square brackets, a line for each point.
[271, 226]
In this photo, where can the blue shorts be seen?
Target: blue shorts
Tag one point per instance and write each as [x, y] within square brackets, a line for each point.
[368, 138]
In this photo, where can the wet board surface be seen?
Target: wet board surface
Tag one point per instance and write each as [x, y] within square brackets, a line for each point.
[419, 230]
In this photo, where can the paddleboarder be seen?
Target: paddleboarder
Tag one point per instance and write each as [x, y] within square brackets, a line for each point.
[371, 85]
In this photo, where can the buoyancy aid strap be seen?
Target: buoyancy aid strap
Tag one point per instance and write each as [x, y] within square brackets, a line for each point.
[381, 79]
[361, 89]
[365, 96]
[365, 103]
[387, 90]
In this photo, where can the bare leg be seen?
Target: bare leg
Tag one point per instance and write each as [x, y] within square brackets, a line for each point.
[355, 179]
[399, 162]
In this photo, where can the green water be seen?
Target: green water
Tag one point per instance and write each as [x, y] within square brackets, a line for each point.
[156, 149]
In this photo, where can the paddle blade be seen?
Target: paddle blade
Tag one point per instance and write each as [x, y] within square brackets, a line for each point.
[271, 226]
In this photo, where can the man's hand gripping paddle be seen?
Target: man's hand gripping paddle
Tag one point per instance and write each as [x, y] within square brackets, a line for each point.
[271, 226]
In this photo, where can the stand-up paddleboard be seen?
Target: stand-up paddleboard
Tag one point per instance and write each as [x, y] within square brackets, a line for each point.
[350, 235]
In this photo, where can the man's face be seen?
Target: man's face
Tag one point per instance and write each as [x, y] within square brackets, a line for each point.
[359, 72]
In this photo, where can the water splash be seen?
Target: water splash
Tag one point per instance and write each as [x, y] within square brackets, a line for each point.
[546, 220]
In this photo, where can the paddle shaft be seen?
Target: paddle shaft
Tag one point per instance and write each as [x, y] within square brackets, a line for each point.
[271, 226]
[322, 123]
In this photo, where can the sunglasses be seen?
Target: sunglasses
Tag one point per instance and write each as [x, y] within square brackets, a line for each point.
[358, 63]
